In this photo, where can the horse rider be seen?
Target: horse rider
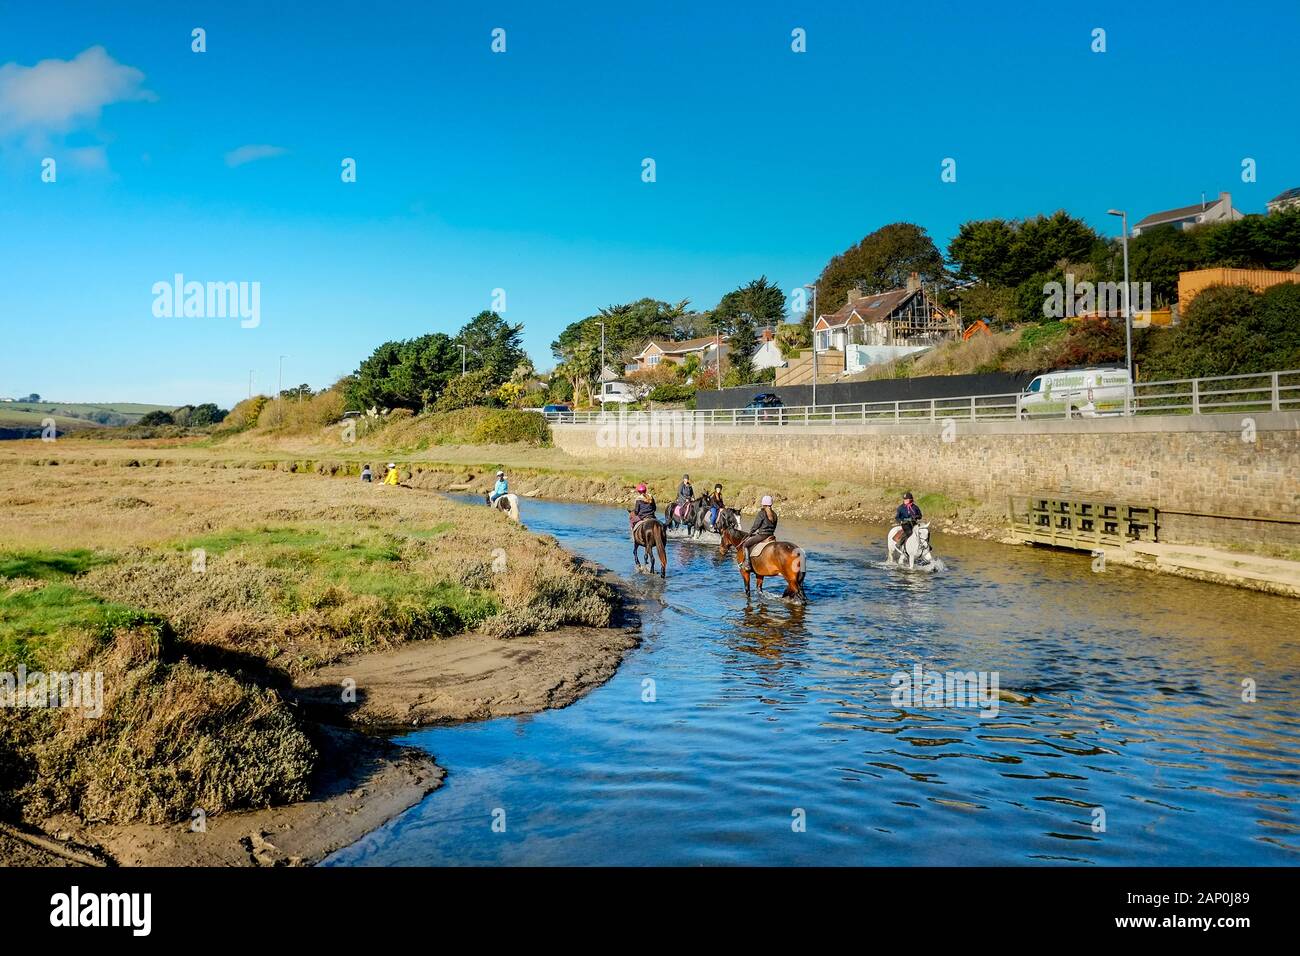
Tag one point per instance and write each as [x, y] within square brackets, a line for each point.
[643, 507]
[715, 505]
[907, 515]
[764, 527]
[685, 492]
[502, 487]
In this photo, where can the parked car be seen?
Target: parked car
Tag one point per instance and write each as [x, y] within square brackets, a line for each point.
[766, 407]
[559, 412]
[1086, 392]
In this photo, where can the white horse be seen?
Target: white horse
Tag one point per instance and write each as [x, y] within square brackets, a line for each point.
[915, 548]
[509, 503]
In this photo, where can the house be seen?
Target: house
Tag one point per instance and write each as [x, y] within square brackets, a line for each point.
[657, 351]
[768, 354]
[878, 328]
[1285, 200]
[1187, 217]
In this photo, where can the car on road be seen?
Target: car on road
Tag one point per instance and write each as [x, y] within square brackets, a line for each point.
[558, 412]
[766, 407]
[1085, 392]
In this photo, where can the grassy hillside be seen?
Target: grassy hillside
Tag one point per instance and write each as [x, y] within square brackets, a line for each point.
[70, 416]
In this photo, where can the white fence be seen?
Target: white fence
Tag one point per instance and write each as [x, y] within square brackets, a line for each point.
[1223, 394]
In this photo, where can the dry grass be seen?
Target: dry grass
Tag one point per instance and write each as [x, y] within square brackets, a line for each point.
[243, 576]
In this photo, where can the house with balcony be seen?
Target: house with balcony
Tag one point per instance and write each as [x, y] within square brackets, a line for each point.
[658, 351]
[869, 329]
[1188, 217]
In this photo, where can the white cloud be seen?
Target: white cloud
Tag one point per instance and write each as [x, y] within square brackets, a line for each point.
[60, 95]
[89, 157]
[252, 153]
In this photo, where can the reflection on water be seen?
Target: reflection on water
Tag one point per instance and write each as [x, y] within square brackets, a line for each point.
[732, 722]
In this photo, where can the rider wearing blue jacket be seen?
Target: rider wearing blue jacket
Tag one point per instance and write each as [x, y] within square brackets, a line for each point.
[499, 489]
[907, 515]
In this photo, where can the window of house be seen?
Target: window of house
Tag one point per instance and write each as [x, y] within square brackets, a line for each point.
[653, 359]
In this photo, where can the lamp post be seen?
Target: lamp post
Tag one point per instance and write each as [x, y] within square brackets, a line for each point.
[600, 379]
[1128, 309]
[813, 327]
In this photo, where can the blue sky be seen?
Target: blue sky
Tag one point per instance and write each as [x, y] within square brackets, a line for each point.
[522, 170]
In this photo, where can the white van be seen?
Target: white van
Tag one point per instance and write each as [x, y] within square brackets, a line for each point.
[1086, 392]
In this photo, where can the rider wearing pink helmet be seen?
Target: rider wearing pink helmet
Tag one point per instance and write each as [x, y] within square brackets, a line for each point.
[643, 507]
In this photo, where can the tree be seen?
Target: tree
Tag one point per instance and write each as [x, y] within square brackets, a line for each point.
[404, 374]
[1003, 252]
[627, 328]
[206, 414]
[156, 418]
[297, 393]
[740, 351]
[882, 261]
[464, 391]
[760, 302]
[493, 344]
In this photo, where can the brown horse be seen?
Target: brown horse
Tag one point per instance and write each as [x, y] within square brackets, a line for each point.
[730, 538]
[650, 534]
[776, 558]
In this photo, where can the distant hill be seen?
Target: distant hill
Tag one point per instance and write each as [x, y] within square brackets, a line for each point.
[24, 419]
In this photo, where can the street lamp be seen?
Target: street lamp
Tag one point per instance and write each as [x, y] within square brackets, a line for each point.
[1128, 308]
[600, 379]
[279, 388]
[813, 327]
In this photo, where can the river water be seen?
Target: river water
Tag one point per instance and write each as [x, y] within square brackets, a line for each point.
[766, 734]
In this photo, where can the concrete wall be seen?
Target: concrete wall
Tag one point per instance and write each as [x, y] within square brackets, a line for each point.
[883, 390]
[1201, 464]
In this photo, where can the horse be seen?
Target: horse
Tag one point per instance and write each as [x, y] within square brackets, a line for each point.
[770, 558]
[649, 533]
[731, 537]
[915, 548]
[684, 519]
[509, 503]
[727, 518]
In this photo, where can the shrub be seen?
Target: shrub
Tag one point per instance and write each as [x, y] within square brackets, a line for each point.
[510, 425]
[465, 391]
[674, 392]
[243, 416]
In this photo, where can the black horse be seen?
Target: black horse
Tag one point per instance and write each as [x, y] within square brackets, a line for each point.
[687, 520]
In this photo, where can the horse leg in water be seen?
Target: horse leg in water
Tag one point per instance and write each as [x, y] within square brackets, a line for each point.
[663, 552]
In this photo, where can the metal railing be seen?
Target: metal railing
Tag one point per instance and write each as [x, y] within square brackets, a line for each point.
[1222, 394]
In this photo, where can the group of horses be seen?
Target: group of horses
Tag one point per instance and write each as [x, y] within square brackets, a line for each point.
[767, 559]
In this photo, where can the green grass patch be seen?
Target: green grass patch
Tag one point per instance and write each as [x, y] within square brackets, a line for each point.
[50, 565]
[40, 627]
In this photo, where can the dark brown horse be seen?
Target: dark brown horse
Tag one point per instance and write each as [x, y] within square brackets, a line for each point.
[776, 558]
[650, 534]
[730, 538]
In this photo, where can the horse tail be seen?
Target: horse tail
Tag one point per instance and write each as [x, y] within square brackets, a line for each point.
[800, 565]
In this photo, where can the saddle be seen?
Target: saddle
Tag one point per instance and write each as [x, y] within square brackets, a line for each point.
[637, 526]
[759, 548]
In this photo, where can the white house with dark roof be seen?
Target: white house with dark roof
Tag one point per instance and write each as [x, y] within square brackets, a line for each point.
[1285, 200]
[1188, 217]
